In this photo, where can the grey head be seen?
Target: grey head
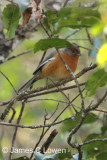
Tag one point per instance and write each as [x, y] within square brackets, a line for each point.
[73, 50]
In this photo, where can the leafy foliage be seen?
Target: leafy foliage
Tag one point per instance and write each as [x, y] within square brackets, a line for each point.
[103, 154]
[71, 17]
[96, 148]
[10, 18]
[45, 44]
[65, 154]
[96, 80]
[70, 124]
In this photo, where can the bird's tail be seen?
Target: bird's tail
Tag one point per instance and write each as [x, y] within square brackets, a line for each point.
[28, 84]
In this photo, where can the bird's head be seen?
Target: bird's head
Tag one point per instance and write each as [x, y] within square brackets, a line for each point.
[75, 49]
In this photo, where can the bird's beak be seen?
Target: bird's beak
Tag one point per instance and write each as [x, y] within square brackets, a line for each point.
[79, 54]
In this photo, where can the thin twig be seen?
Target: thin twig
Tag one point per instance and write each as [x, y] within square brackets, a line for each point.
[15, 56]
[3, 103]
[46, 99]
[45, 29]
[84, 48]
[9, 82]
[97, 104]
[99, 110]
[15, 132]
[42, 57]
[47, 125]
[78, 39]
[47, 118]
[60, 91]
[22, 95]
[41, 136]
[76, 31]
[83, 116]
[14, 112]
[92, 140]
[75, 130]
[46, 92]
[89, 37]
[37, 126]
[56, 120]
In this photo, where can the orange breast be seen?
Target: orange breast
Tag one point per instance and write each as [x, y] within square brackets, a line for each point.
[56, 69]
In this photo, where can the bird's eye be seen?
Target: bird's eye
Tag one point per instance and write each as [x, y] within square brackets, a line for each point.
[74, 50]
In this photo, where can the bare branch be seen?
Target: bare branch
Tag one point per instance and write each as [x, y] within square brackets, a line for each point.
[48, 141]
[99, 110]
[14, 112]
[92, 140]
[97, 104]
[15, 56]
[75, 130]
[80, 152]
[45, 29]
[41, 89]
[76, 31]
[15, 132]
[89, 37]
[47, 118]
[66, 1]
[26, 95]
[38, 126]
[46, 99]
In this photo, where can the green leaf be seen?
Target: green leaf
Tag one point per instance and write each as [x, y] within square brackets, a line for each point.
[103, 129]
[45, 44]
[70, 124]
[21, 158]
[51, 16]
[102, 155]
[72, 17]
[96, 80]
[10, 18]
[75, 23]
[22, 4]
[93, 149]
[91, 136]
[65, 154]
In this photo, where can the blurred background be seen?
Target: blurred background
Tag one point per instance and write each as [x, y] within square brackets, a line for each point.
[20, 69]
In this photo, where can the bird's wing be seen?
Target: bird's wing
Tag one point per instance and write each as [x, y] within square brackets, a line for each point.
[42, 64]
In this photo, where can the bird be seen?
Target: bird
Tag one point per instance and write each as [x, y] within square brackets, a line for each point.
[53, 66]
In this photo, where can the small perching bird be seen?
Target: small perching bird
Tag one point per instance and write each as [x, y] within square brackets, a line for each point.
[53, 67]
